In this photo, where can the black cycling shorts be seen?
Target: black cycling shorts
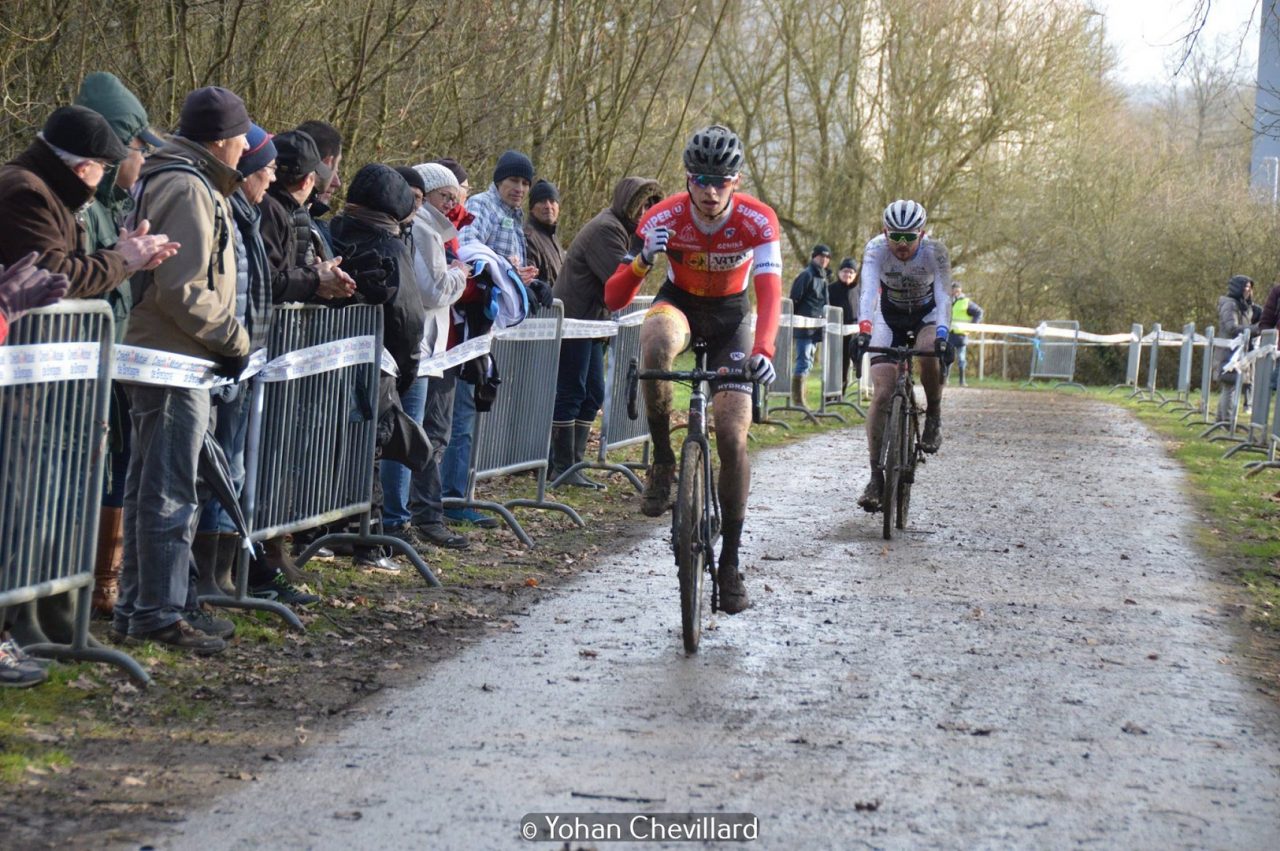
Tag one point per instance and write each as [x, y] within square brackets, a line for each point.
[725, 323]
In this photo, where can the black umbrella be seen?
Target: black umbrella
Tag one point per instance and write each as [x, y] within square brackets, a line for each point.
[215, 471]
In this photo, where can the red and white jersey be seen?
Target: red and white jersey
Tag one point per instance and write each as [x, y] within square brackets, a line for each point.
[723, 261]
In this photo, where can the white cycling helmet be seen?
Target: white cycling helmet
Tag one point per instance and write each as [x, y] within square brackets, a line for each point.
[904, 215]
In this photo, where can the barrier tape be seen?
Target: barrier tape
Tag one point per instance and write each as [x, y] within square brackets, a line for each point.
[167, 369]
[31, 364]
[584, 329]
[794, 321]
[325, 357]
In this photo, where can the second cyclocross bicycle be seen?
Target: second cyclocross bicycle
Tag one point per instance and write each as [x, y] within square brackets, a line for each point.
[900, 451]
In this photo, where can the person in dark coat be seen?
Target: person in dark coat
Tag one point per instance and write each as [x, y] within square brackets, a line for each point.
[544, 248]
[371, 232]
[592, 258]
[1235, 315]
[303, 268]
[843, 293]
[808, 298]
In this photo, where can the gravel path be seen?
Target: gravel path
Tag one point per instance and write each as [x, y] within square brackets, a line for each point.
[1043, 659]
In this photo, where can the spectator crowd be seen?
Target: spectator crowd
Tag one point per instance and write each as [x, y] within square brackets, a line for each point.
[193, 238]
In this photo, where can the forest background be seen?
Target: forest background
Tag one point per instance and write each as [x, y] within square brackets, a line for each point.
[1060, 193]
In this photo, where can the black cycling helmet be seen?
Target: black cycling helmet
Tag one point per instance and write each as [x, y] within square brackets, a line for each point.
[714, 150]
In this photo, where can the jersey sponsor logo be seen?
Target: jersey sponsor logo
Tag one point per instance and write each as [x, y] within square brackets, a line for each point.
[768, 233]
[737, 355]
[729, 232]
[726, 262]
[678, 209]
[658, 218]
[768, 267]
[687, 234]
[695, 260]
[753, 216]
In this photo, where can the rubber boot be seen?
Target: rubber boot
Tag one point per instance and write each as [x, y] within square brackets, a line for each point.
[57, 615]
[797, 392]
[561, 449]
[106, 567]
[213, 577]
[581, 435]
[278, 558]
[25, 628]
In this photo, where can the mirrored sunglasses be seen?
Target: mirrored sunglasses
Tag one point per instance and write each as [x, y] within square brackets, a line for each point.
[712, 181]
[903, 236]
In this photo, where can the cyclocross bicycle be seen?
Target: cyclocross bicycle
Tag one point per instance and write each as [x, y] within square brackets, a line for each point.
[900, 451]
[695, 520]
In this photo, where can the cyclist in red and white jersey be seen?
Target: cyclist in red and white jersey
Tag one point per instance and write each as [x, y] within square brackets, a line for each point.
[906, 286]
[716, 240]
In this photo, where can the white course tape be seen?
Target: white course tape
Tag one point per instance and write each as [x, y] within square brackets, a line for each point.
[325, 357]
[48, 362]
[794, 321]
[542, 328]
[387, 364]
[583, 329]
[458, 355]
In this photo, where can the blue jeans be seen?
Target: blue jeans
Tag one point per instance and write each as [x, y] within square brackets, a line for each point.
[580, 381]
[425, 501]
[231, 430]
[805, 349]
[162, 498]
[396, 476]
[455, 466]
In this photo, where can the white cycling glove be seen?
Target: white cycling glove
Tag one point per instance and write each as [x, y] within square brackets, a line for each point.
[761, 370]
[655, 243]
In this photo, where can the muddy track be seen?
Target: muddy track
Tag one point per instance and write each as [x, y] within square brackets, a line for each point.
[1044, 659]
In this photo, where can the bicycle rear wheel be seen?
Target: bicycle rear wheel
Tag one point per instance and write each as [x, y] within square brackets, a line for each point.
[891, 462]
[908, 475]
[689, 537]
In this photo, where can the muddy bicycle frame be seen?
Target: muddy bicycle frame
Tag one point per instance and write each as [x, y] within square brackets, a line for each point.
[694, 538]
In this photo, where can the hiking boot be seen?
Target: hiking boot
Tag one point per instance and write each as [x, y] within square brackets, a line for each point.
[371, 560]
[870, 499]
[203, 619]
[733, 594]
[17, 669]
[931, 440]
[441, 536]
[470, 515]
[656, 498]
[280, 589]
[410, 536]
[184, 636]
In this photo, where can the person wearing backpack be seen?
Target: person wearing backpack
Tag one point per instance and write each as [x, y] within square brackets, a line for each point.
[188, 307]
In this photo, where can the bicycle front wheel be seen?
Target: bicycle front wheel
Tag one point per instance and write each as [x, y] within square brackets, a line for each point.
[891, 461]
[908, 474]
[689, 537]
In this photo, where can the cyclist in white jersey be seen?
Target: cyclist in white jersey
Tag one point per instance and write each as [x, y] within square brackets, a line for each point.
[906, 287]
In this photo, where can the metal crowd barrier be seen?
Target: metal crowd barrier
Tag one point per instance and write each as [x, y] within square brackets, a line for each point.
[1134, 363]
[1206, 383]
[1256, 437]
[309, 454]
[55, 378]
[618, 430]
[514, 436]
[1230, 425]
[833, 367]
[1186, 352]
[1273, 437]
[1150, 393]
[1055, 357]
[784, 365]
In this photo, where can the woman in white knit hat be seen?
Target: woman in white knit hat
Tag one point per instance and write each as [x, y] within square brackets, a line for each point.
[442, 280]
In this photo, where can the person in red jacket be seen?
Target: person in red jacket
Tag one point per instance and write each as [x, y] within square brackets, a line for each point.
[716, 240]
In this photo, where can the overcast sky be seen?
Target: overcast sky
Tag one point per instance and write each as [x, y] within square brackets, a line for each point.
[1146, 33]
